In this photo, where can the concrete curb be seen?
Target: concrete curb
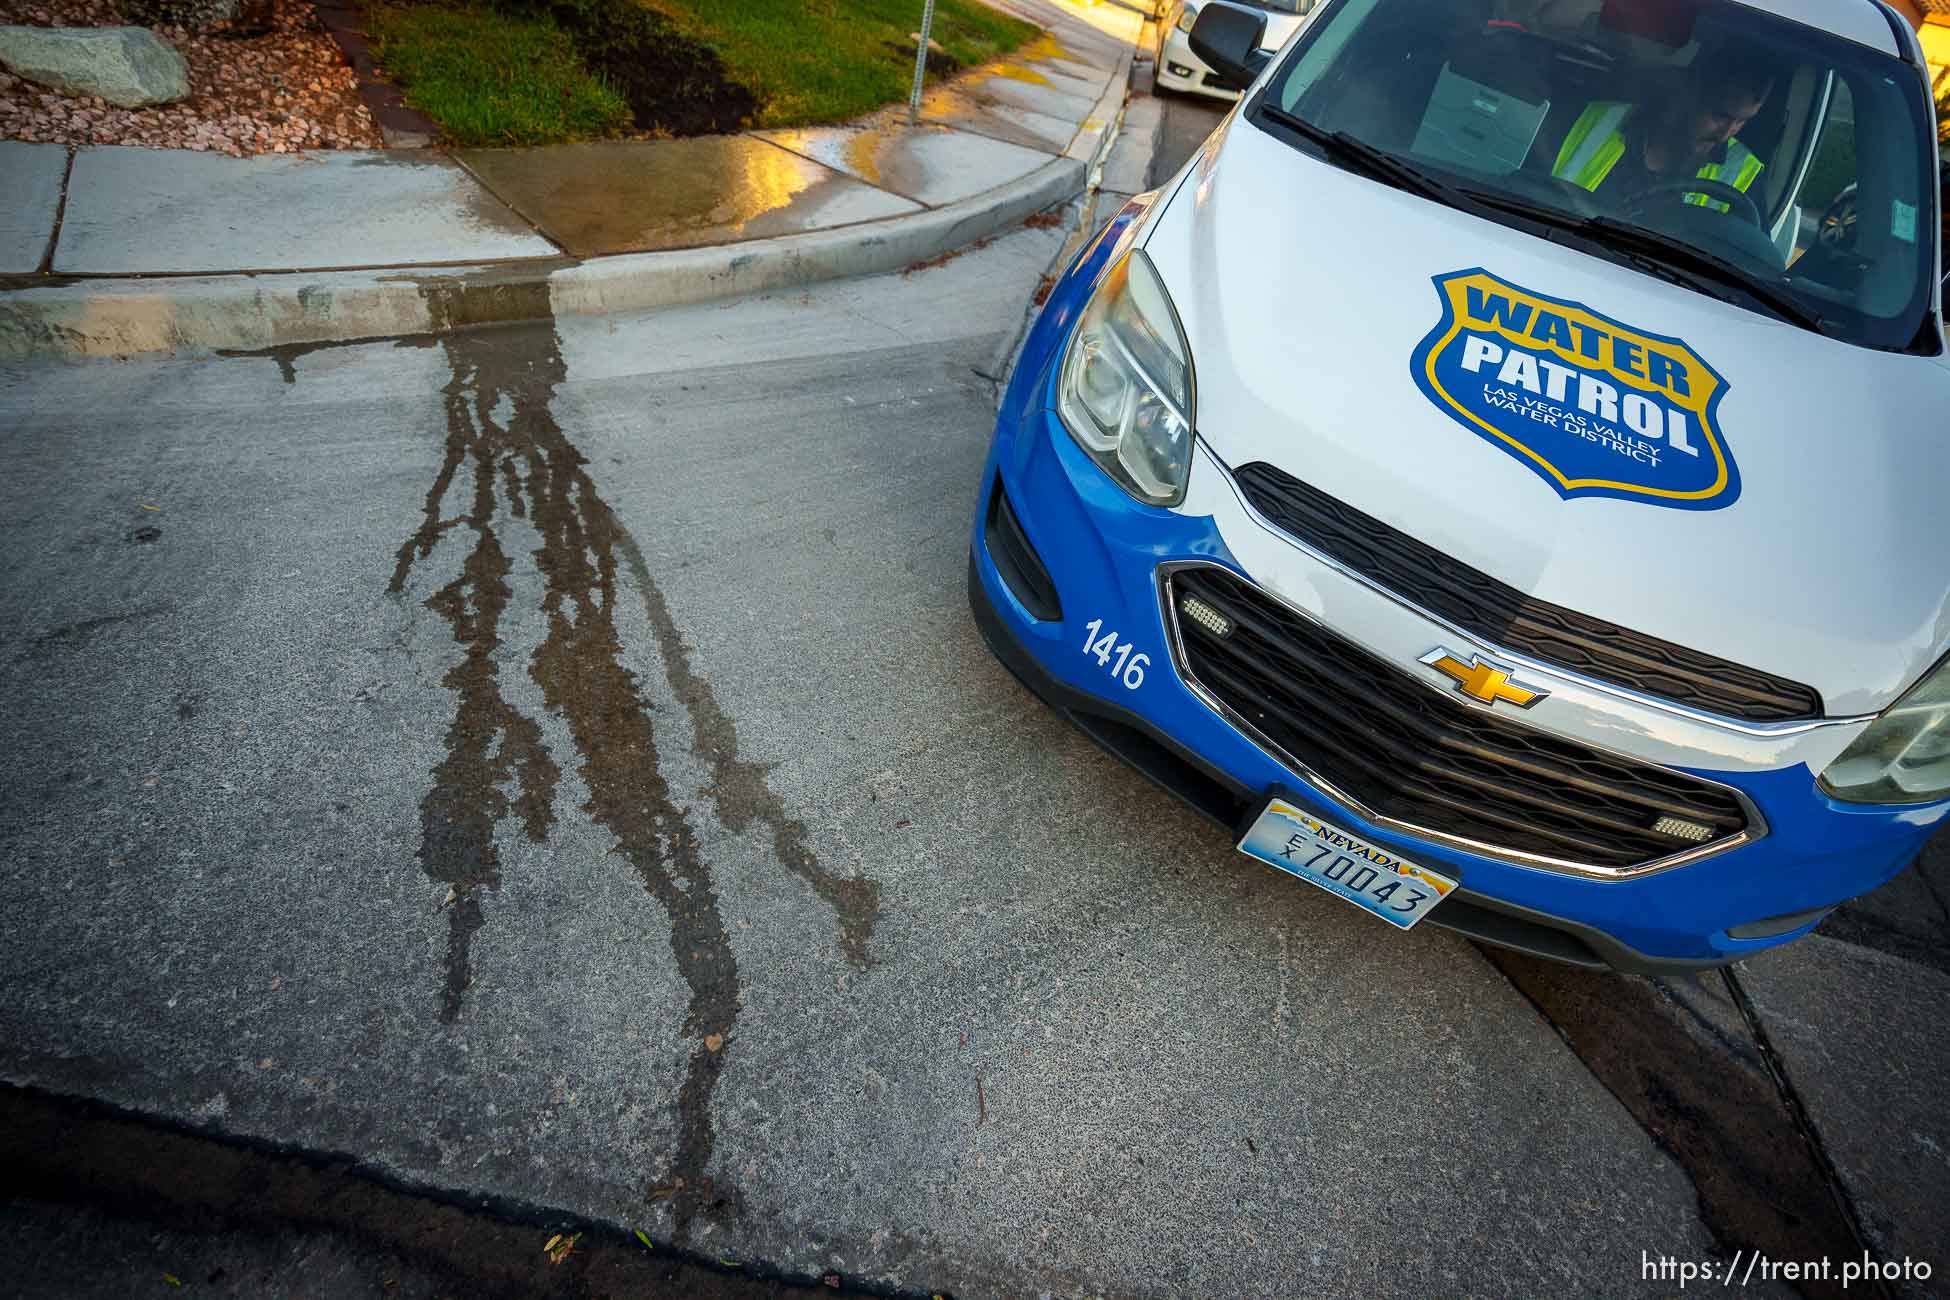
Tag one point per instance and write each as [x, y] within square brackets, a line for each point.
[80, 317]
[1092, 142]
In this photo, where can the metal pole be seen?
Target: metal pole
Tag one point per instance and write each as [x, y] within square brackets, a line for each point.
[920, 63]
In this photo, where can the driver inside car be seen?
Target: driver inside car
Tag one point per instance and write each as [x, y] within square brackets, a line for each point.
[1617, 150]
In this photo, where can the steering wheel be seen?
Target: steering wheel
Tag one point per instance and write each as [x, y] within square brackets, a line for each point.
[1741, 202]
[1836, 228]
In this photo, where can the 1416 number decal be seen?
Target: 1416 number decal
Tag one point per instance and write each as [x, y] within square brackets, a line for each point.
[1114, 658]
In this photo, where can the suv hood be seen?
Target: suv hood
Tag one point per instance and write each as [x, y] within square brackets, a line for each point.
[1330, 319]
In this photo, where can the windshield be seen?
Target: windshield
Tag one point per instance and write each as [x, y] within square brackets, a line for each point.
[1759, 160]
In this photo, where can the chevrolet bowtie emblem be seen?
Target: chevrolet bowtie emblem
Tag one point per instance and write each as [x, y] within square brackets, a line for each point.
[1480, 681]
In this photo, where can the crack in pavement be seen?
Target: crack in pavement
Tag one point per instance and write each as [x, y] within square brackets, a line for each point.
[74, 636]
[1725, 1116]
[503, 433]
[1804, 1122]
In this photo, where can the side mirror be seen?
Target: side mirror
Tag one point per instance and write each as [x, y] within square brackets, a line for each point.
[1227, 37]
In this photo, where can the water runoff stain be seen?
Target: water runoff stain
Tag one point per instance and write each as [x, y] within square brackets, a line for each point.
[505, 452]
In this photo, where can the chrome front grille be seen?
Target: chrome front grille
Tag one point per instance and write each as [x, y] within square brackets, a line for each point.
[1379, 738]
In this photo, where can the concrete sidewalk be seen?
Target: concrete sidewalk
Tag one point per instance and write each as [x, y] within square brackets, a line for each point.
[272, 251]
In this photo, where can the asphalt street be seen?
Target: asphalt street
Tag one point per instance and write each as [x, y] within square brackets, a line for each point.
[552, 771]
[1187, 121]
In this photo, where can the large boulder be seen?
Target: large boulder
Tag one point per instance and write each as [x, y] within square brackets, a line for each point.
[127, 66]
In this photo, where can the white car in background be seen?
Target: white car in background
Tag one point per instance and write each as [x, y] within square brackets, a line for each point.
[1181, 70]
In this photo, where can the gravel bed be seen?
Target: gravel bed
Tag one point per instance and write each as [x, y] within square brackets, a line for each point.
[280, 91]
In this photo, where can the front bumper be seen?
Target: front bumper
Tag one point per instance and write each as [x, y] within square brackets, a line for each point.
[1100, 553]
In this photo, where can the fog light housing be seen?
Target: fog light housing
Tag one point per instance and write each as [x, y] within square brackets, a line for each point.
[1680, 828]
[1206, 616]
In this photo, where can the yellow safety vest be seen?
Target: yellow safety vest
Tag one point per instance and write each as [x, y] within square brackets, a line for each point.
[1597, 141]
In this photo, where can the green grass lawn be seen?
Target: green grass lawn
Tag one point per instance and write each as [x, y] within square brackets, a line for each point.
[828, 60]
[499, 72]
[490, 78]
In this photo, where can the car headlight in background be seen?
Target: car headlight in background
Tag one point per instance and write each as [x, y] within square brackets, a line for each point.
[1904, 756]
[1126, 391]
[1186, 17]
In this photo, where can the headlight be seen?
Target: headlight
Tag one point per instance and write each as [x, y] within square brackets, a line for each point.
[1186, 17]
[1904, 756]
[1125, 392]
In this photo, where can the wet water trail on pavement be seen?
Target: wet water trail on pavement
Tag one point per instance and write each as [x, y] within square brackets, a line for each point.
[490, 744]
[504, 442]
[506, 452]
[738, 787]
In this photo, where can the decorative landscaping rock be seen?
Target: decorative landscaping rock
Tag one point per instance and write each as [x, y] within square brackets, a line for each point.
[127, 66]
[282, 91]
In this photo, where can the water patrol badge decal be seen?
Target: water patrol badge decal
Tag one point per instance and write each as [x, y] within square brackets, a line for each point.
[1590, 405]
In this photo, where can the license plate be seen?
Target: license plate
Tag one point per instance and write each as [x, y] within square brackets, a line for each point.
[1300, 844]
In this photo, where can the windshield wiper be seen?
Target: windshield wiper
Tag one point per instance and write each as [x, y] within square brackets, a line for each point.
[1672, 259]
[1353, 152]
[1677, 255]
